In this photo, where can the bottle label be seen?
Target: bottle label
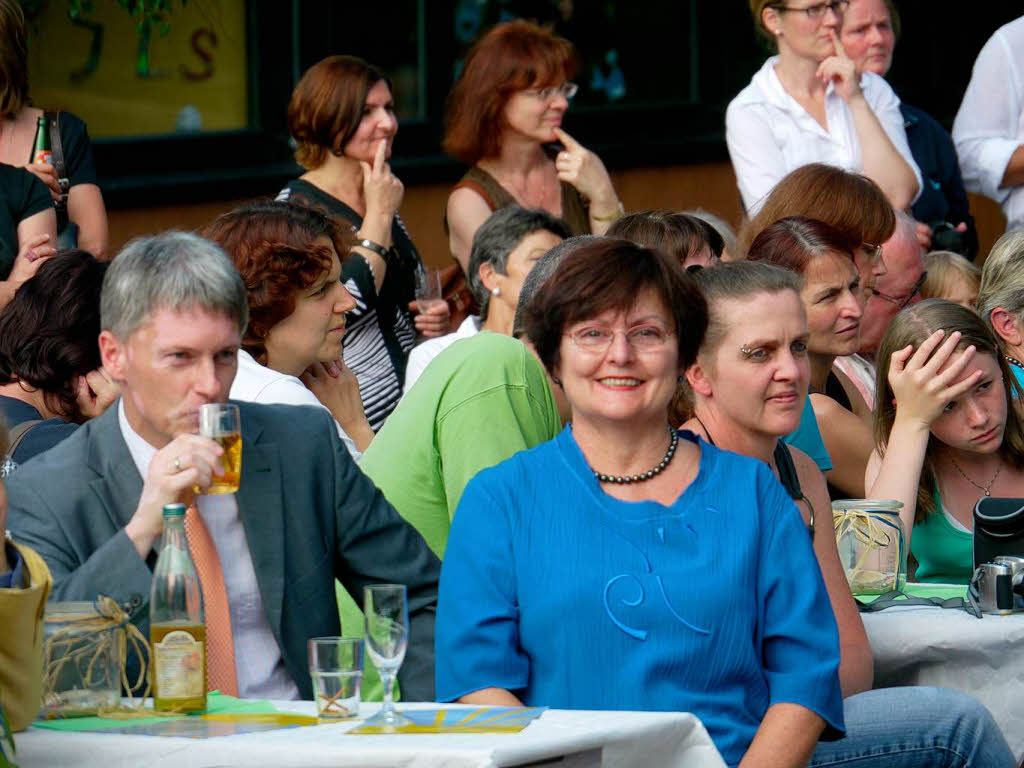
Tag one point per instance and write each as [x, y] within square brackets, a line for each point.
[178, 666]
[43, 156]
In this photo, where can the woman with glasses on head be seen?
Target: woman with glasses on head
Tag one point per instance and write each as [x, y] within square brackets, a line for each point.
[946, 432]
[571, 569]
[504, 119]
[831, 297]
[809, 104]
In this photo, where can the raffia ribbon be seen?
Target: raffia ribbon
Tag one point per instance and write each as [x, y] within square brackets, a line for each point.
[869, 529]
[108, 625]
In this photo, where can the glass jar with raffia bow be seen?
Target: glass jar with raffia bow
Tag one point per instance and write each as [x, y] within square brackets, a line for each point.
[85, 650]
[871, 543]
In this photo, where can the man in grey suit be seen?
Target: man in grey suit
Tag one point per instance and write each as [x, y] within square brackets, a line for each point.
[173, 313]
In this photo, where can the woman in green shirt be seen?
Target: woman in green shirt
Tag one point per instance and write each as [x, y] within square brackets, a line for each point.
[945, 432]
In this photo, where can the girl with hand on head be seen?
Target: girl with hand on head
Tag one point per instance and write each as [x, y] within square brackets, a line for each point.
[342, 117]
[809, 104]
[503, 119]
[945, 432]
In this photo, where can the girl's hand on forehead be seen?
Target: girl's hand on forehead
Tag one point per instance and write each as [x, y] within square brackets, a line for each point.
[924, 381]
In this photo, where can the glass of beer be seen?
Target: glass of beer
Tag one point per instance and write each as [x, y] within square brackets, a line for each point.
[221, 423]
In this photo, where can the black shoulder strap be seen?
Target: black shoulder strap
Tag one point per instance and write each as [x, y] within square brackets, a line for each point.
[791, 481]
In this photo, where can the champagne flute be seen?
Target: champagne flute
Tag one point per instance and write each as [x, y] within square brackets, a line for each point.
[386, 612]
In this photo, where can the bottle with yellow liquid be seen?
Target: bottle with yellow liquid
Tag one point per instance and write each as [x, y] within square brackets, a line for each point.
[177, 629]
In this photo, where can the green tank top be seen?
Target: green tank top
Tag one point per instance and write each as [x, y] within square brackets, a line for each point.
[944, 554]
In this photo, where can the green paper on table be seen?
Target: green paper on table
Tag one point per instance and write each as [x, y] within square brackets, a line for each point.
[461, 720]
[224, 716]
[913, 589]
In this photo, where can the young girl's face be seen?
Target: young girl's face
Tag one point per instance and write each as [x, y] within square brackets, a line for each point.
[976, 421]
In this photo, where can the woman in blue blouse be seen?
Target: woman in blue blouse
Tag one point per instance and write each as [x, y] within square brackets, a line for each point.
[624, 565]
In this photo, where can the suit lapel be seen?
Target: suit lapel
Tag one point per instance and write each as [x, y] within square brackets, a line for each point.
[260, 508]
[117, 484]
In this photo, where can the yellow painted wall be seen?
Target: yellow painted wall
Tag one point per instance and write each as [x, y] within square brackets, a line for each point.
[114, 99]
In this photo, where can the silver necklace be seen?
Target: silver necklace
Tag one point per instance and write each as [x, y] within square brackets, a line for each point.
[984, 488]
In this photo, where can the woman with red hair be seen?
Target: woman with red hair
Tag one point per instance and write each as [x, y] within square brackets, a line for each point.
[504, 119]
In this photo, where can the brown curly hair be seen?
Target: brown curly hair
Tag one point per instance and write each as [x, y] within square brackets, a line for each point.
[273, 246]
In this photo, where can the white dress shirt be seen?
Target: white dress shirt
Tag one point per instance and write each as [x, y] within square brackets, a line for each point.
[421, 355]
[259, 667]
[770, 134]
[255, 383]
[990, 123]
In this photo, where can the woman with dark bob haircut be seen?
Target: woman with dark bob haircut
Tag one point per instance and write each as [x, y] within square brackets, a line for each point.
[290, 259]
[49, 357]
[571, 569]
[342, 118]
[691, 241]
[504, 119]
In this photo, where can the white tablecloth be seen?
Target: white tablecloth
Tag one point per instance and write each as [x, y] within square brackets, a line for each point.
[594, 738]
[952, 649]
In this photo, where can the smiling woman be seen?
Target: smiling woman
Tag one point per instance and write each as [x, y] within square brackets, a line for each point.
[288, 257]
[618, 522]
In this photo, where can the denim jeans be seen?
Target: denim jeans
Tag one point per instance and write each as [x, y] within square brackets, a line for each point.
[916, 727]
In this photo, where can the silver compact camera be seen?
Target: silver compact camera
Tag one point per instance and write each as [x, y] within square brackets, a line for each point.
[999, 585]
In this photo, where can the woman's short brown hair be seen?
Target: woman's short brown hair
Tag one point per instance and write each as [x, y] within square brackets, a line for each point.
[512, 56]
[327, 105]
[795, 241]
[850, 202]
[13, 59]
[273, 246]
[910, 328]
[680, 235]
[609, 274]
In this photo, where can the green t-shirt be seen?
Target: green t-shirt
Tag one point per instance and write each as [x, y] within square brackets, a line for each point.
[944, 554]
[478, 402]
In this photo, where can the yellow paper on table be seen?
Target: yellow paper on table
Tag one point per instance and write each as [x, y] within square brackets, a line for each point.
[461, 720]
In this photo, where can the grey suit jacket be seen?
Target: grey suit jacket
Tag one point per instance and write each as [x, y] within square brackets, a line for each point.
[309, 516]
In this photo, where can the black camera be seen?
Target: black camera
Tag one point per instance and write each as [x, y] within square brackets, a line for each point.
[946, 237]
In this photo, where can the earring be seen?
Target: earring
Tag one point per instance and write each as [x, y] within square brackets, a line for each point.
[495, 291]
[778, 33]
[680, 379]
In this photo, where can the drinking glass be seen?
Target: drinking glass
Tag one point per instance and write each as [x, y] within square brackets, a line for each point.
[428, 288]
[221, 423]
[336, 669]
[386, 612]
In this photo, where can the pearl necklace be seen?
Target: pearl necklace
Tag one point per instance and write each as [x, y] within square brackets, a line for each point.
[656, 470]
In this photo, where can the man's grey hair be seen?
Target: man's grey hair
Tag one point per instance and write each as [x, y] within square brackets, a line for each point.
[539, 274]
[501, 234]
[1002, 278]
[172, 270]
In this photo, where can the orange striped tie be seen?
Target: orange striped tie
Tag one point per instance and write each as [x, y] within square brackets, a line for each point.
[220, 645]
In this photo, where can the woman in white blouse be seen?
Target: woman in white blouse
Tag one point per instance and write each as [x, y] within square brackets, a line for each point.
[809, 104]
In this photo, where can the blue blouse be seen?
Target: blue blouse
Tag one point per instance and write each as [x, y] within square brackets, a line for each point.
[569, 598]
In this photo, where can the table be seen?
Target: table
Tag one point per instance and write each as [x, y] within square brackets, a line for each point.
[562, 738]
[952, 649]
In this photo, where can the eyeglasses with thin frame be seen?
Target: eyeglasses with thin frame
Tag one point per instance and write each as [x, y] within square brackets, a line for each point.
[642, 338]
[816, 11]
[567, 89]
[873, 252]
[903, 301]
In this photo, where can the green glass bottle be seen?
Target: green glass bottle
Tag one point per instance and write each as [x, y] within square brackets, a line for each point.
[42, 152]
